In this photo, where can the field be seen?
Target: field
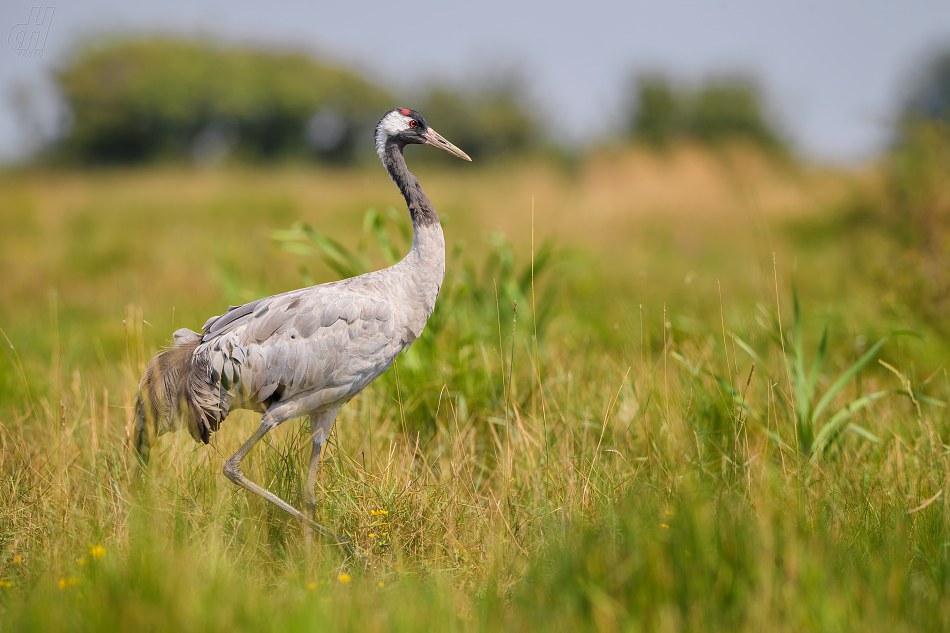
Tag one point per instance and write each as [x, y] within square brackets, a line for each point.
[674, 392]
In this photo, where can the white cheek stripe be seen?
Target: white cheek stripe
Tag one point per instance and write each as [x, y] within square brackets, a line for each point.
[392, 123]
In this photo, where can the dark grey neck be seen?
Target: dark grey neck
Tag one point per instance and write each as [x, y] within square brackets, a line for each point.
[420, 209]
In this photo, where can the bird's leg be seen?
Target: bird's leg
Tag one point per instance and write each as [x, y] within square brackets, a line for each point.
[232, 470]
[309, 494]
[320, 425]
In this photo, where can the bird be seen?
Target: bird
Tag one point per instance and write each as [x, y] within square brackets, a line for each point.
[306, 352]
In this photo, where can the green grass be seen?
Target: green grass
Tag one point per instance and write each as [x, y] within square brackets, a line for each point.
[643, 463]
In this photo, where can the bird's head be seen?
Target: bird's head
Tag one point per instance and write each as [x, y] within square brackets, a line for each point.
[405, 127]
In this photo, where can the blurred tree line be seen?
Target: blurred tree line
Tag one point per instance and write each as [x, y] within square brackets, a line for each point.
[145, 100]
[662, 113]
[137, 101]
[916, 204]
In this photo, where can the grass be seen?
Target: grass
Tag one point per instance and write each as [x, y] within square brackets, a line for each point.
[622, 451]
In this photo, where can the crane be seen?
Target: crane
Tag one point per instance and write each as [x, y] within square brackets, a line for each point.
[307, 352]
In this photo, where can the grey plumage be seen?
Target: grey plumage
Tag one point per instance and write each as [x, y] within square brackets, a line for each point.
[306, 352]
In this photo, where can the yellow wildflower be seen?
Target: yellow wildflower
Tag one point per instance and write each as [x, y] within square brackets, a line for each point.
[97, 551]
[67, 582]
[6, 584]
[377, 513]
[311, 586]
[372, 535]
[16, 560]
[664, 525]
[381, 584]
[344, 578]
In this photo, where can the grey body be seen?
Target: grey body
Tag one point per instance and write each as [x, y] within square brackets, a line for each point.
[306, 352]
[312, 350]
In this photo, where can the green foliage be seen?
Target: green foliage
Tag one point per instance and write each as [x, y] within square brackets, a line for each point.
[730, 110]
[658, 117]
[144, 100]
[928, 100]
[899, 232]
[916, 210]
[816, 433]
[720, 111]
[917, 187]
[705, 561]
[916, 204]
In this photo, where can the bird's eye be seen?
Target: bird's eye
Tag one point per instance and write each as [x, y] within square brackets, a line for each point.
[413, 124]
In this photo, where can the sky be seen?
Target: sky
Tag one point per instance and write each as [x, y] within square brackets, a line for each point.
[834, 72]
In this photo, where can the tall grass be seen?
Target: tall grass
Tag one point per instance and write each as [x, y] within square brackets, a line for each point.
[635, 463]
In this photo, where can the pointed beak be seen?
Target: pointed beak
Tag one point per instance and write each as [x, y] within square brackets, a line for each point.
[435, 139]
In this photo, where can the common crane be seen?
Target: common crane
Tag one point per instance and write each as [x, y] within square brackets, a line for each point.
[305, 352]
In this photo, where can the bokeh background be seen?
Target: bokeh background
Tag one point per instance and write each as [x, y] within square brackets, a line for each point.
[688, 367]
[834, 76]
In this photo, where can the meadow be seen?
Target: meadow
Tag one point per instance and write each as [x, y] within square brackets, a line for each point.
[659, 393]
